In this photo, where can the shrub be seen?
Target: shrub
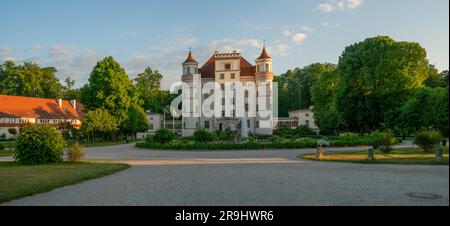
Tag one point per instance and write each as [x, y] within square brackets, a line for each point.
[284, 131]
[304, 131]
[2, 147]
[223, 135]
[252, 140]
[75, 153]
[382, 141]
[39, 144]
[427, 140]
[276, 139]
[203, 136]
[163, 136]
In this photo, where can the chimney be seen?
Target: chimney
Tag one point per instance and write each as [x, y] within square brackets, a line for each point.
[59, 100]
[74, 104]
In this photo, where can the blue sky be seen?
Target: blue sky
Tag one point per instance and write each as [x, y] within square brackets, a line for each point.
[74, 35]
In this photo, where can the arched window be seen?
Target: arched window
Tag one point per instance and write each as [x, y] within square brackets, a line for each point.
[267, 67]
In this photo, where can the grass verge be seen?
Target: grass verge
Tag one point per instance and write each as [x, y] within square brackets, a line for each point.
[19, 181]
[6, 152]
[409, 156]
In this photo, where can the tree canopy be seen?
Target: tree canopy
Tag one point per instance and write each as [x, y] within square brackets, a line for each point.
[29, 80]
[377, 75]
[110, 88]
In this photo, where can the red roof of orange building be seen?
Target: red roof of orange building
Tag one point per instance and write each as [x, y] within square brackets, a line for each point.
[209, 68]
[30, 107]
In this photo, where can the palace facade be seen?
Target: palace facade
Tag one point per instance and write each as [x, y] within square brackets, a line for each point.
[222, 69]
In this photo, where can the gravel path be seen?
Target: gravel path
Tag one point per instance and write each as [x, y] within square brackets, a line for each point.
[261, 178]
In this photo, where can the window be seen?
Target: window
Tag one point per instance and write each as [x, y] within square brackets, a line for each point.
[184, 125]
[246, 107]
[248, 123]
[206, 124]
[223, 101]
[233, 101]
[188, 70]
[223, 113]
[257, 124]
[233, 76]
[234, 113]
[307, 122]
[222, 86]
[150, 126]
[307, 115]
[222, 76]
[257, 107]
[246, 93]
[267, 67]
[227, 66]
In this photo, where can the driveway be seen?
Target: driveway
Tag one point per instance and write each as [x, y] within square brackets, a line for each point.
[257, 178]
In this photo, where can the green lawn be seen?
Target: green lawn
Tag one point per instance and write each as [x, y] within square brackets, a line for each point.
[17, 181]
[6, 152]
[399, 156]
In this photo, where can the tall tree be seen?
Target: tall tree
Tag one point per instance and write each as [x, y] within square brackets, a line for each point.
[377, 75]
[137, 120]
[148, 87]
[99, 123]
[295, 86]
[326, 116]
[30, 80]
[110, 88]
[69, 83]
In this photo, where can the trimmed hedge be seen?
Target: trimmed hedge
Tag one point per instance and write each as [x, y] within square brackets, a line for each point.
[309, 143]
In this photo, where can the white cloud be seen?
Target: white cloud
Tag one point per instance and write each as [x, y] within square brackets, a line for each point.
[298, 38]
[279, 50]
[7, 54]
[5, 50]
[60, 52]
[325, 7]
[285, 31]
[334, 5]
[37, 46]
[228, 45]
[307, 28]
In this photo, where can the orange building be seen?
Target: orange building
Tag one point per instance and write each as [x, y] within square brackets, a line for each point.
[16, 111]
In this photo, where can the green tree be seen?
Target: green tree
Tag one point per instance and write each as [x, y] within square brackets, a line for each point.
[148, 87]
[435, 79]
[295, 86]
[29, 80]
[326, 116]
[99, 123]
[377, 75]
[444, 75]
[137, 120]
[109, 88]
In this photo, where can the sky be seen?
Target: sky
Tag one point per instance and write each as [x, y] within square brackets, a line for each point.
[73, 35]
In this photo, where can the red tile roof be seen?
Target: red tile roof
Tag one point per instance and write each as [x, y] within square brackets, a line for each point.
[30, 107]
[190, 58]
[264, 54]
[209, 68]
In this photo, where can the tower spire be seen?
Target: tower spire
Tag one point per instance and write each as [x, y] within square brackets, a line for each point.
[190, 57]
